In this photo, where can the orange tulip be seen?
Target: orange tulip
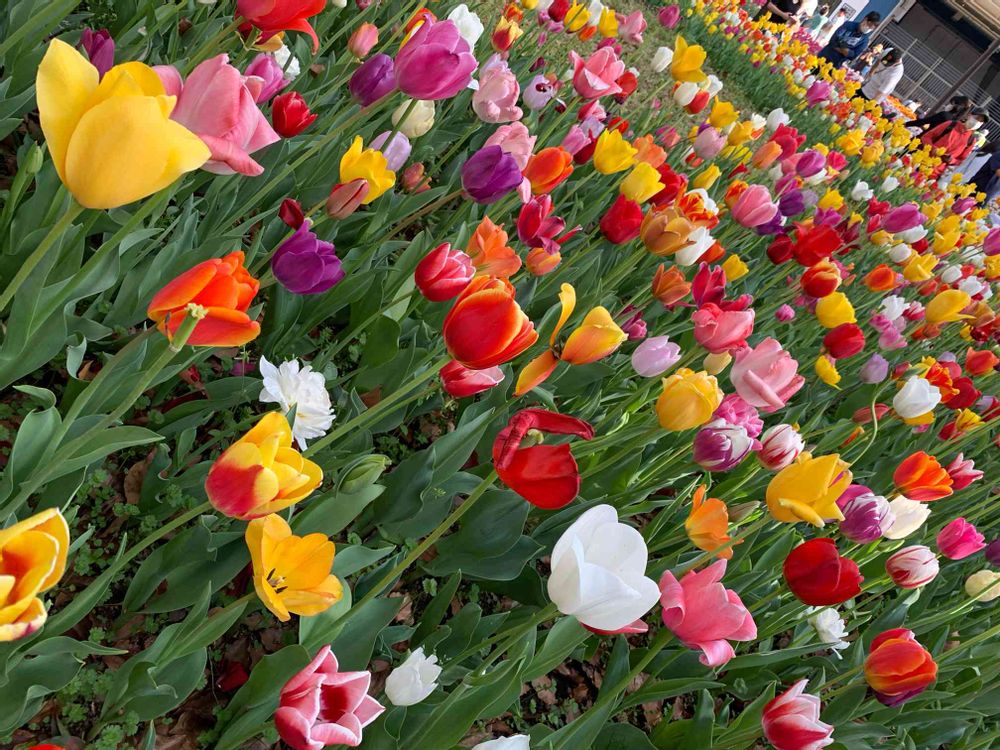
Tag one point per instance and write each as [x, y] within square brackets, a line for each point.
[548, 168]
[486, 327]
[707, 524]
[648, 151]
[670, 287]
[898, 667]
[490, 253]
[596, 337]
[881, 278]
[32, 560]
[261, 473]
[665, 232]
[225, 288]
[920, 477]
[540, 261]
[980, 362]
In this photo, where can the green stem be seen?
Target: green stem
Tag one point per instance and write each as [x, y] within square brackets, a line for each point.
[29, 265]
[211, 43]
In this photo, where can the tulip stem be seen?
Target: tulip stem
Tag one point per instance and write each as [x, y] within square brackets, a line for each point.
[29, 265]
[402, 119]
[323, 357]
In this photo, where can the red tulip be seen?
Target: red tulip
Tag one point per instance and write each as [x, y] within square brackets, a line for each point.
[844, 341]
[274, 16]
[291, 213]
[791, 721]
[290, 114]
[818, 575]
[459, 381]
[622, 221]
[486, 327]
[546, 476]
[443, 273]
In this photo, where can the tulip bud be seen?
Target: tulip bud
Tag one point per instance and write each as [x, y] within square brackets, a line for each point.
[291, 213]
[717, 362]
[414, 180]
[912, 567]
[363, 472]
[779, 447]
[362, 40]
[345, 199]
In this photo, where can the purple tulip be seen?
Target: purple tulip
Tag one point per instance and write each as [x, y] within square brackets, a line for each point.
[785, 313]
[809, 163]
[771, 227]
[828, 216]
[654, 356]
[489, 174]
[373, 79]
[875, 370]
[434, 63]
[792, 203]
[272, 77]
[720, 446]
[100, 49]
[901, 218]
[993, 553]
[867, 516]
[396, 152]
[305, 264]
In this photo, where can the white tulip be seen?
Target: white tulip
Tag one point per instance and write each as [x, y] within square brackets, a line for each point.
[757, 121]
[418, 122]
[288, 62]
[972, 286]
[983, 585]
[951, 274]
[889, 184]
[291, 385]
[596, 7]
[698, 243]
[830, 628]
[911, 235]
[916, 397]
[599, 572]
[662, 59]
[468, 23]
[413, 680]
[712, 85]
[909, 516]
[685, 93]
[861, 192]
[893, 306]
[899, 253]
[517, 742]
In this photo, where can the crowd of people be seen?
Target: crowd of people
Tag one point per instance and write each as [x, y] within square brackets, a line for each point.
[957, 130]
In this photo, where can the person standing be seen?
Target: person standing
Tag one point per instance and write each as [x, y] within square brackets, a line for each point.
[816, 22]
[956, 109]
[850, 40]
[987, 179]
[884, 79]
[954, 140]
[831, 27]
[782, 11]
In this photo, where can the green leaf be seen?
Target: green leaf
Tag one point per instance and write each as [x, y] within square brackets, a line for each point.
[382, 342]
[560, 641]
[435, 611]
[622, 737]
[658, 690]
[355, 642]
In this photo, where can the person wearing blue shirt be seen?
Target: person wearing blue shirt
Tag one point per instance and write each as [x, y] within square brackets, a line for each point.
[850, 40]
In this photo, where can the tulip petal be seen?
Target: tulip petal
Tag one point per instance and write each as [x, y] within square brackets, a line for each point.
[63, 87]
[535, 372]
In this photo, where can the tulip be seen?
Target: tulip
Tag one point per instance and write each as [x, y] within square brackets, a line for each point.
[490, 254]
[844, 341]
[538, 93]
[980, 362]
[222, 286]
[414, 118]
[754, 207]
[362, 40]
[540, 261]
[721, 330]
[546, 476]
[396, 151]
[669, 287]
[901, 218]
[468, 24]
[867, 516]
[665, 232]
[962, 472]
[516, 140]
[632, 26]
[548, 168]
[766, 376]
[908, 516]
[597, 75]
[920, 477]
[707, 525]
[654, 356]
[613, 153]
[290, 114]
[912, 567]
[537, 228]
[271, 17]
[373, 80]
[959, 539]
[489, 174]
[709, 143]
[688, 400]
[290, 213]
[100, 49]
[808, 489]
[486, 327]
[818, 575]
[687, 61]
[791, 721]
[669, 15]
[514, 742]
[821, 280]
[897, 667]
[271, 74]
[435, 62]
[706, 178]
[704, 614]
[721, 446]
[111, 140]
[641, 184]
[835, 309]
[32, 560]
[622, 222]
[413, 680]
[496, 98]
[305, 264]
[598, 572]
[459, 381]
[947, 306]
[368, 165]
[322, 706]
[505, 34]
[983, 586]
[916, 398]
[662, 59]
[261, 473]
[345, 199]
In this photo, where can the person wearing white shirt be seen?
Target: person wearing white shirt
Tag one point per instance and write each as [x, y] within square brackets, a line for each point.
[884, 78]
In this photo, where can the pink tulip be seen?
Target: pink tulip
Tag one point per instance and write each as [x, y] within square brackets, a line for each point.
[912, 567]
[496, 98]
[791, 721]
[754, 207]
[362, 40]
[514, 139]
[597, 75]
[991, 245]
[218, 104]
[434, 63]
[963, 472]
[704, 614]
[901, 218]
[271, 74]
[708, 143]
[818, 93]
[959, 539]
[721, 330]
[766, 376]
[669, 16]
[321, 706]
[630, 27]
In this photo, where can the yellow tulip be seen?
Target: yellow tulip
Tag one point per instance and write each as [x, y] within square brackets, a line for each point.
[32, 560]
[707, 177]
[831, 199]
[734, 268]
[716, 363]
[826, 368]
[291, 574]
[112, 141]
[369, 165]
[607, 25]
[919, 267]
[947, 306]
[991, 266]
[723, 115]
[642, 183]
[835, 309]
[687, 62]
[688, 400]
[740, 133]
[576, 17]
[613, 153]
[808, 490]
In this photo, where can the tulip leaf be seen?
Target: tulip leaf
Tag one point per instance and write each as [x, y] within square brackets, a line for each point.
[33, 679]
[560, 642]
[352, 558]
[355, 641]
[382, 342]
[435, 610]
[658, 690]
[622, 737]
